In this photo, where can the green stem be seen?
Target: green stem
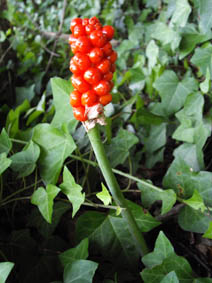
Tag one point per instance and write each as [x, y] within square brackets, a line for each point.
[115, 190]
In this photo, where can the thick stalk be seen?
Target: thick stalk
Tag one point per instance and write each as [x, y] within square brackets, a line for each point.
[114, 188]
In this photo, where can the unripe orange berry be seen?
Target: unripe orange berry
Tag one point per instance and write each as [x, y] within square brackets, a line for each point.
[75, 98]
[89, 98]
[79, 113]
[105, 99]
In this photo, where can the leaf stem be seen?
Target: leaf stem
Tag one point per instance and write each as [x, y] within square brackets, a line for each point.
[115, 190]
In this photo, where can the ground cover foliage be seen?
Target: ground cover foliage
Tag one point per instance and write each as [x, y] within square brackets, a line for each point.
[58, 221]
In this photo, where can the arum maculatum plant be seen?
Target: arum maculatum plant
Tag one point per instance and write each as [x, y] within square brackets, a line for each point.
[93, 66]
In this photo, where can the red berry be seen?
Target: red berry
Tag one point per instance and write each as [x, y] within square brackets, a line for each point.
[83, 44]
[111, 85]
[102, 88]
[108, 31]
[79, 30]
[113, 57]
[89, 29]
[92, 76]
[93, 21]
[105, 99]
[71, 39]
[108, 76]
[74, 22]
[82, 61]
[107, 49]
[98, 26]
[88, 98]
[74, 68]
[79, 113]
[104, 66]
[96, 55]
[75, 98]
[74, 47]
[85, 22]
[79, 83]
[97, 38]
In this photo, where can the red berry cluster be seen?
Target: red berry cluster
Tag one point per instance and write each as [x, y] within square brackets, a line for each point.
[92, 65]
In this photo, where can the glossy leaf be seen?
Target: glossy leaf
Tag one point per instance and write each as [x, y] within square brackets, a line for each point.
[24, 162]
[193, 220]
[44, 199]
[5, 269]
[173, 92]
[72, 190]
[118, 150]
[205, 15]
[196, 202]
[4, 162]
[181, 13]
[163, 249]
[104, 195]
[61, 90]
[80, 271]
[56, 145]
[79, 252]
[5, 143]
[171, 277]
[152, 52]
[202, 59]
[152, 194]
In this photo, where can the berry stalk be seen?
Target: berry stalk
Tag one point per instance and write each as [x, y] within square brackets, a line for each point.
[114, 188]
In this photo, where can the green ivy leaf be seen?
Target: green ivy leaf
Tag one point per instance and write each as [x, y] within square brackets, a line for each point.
[174, 92]
[44, 199]
[171, 277]
[194, 220]
[72, 190]
[118, 150]
[4, 162]
[23, 93]
[202, 58]
[181, 13]
[163, 249]
[196, 202]
[56, 145]
[205, 85]
[208, 233]
[24, 162]
[61, 90]
[152, 52]
[104, 195]
[5, 269]
[80, 271]
[205, 15]
[79, 252]
[5, 143]
[150, 195]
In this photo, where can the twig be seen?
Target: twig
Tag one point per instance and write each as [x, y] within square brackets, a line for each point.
[5, 53]
[58, 34]
[175, 210]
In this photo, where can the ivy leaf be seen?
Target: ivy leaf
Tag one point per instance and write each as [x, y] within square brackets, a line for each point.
[5, 269]
[4, 162]
[205, 15]
[104, 195]
[72, 190]
[171, 277]
[79, 252]
[166, 35]
[196, 202]
[56, 145]
[24, 162]
[80, 271]
[208, 233]
[118, 150]
[205, 85]
[177, 263]
[202, 58]
[163, 249]
[5, 143]
[61, 90]
[181, 13]
[194, 220]
[151, 194]
[152, 52]
[174, 92]
[44, 198]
